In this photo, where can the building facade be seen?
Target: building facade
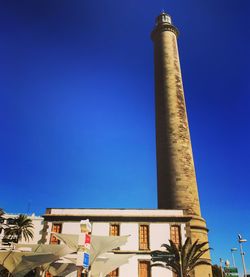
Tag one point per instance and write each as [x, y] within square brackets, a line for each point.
[147, 230]
[8, 220]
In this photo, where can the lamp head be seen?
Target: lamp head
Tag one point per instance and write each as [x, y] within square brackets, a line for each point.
[85, 226]
[242, 240]
[227, 263]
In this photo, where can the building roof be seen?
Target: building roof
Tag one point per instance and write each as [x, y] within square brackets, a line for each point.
[75, 214]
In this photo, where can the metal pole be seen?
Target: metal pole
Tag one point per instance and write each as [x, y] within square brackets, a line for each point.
[221, 269]
[233, 258]
[243, 259]
[180, 264]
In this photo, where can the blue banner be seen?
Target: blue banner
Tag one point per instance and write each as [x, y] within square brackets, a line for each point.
[85, 260]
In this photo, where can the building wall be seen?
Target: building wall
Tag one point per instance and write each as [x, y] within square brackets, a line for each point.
[37, 222]
[159, 232]
[132, 230]
[37, 230]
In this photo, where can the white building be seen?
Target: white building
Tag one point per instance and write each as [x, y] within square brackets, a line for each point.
[148, 230]
[8, 220]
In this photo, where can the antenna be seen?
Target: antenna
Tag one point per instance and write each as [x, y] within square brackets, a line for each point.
[28, 206]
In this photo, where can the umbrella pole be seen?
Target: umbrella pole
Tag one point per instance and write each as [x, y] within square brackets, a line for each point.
[79, 271]
[39, 272]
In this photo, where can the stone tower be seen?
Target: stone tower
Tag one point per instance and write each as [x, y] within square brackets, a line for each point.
[177, 186]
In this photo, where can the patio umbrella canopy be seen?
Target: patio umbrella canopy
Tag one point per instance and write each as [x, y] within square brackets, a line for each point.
[20, 262]
[108, 262]
[26, 257]
[61, 268]
[98, 246]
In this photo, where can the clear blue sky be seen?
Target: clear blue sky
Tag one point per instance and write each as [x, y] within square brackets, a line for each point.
[77, 106]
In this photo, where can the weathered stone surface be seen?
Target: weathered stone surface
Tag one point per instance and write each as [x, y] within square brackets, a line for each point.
[177, 187]
[176, 179]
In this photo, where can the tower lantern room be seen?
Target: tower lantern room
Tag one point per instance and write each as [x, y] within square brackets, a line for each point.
[163, 18]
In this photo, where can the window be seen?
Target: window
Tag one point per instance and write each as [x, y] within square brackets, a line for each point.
[144, 269]
[56, 228]
[114, 230]
[114, 273]
[143, 237]
[175, 234]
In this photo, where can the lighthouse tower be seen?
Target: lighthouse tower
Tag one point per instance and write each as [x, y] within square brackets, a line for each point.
[176, 179]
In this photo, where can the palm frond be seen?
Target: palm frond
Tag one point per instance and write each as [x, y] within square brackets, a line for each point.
[185, 257]
[23, 227]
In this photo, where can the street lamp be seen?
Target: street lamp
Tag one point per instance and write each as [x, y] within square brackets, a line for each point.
[232, 252]
[221, 268]
[241, 240]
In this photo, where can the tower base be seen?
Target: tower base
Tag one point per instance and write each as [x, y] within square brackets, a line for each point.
[198, 231]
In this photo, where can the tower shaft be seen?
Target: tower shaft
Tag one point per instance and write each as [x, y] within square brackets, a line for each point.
[177, 187]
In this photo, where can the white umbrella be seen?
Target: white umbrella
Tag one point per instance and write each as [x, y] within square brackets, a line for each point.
[61, 268]
[103, 264]
[100, 263]
[56, 249]
[98, 246]
[20, 263]
[103, 244]
[31, 262]
[107, 263]
[68, 239]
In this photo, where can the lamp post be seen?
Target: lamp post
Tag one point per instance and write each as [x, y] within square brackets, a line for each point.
[221, 268]
[84, 238]
[181, 272]
[241, 240]
[232, 252]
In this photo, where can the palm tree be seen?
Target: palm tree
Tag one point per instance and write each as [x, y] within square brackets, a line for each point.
[181, 260]
[1, 212]
[22, 228]
[216, 270]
